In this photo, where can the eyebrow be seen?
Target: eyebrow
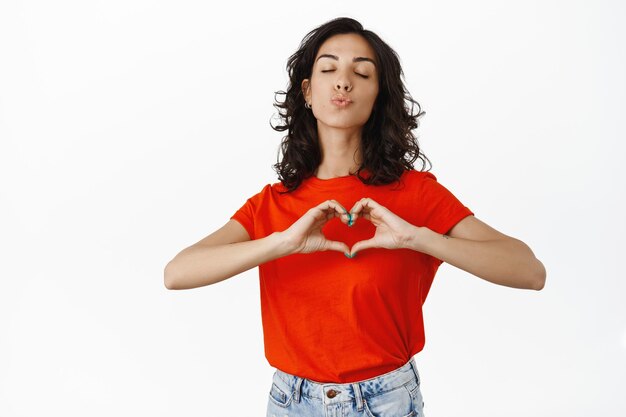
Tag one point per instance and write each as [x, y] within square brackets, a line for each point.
[355, 59]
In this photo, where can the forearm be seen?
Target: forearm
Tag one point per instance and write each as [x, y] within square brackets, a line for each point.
[197, 266]
[507, 262]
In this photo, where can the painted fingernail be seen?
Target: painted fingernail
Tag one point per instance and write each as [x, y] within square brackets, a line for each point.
[347, 256]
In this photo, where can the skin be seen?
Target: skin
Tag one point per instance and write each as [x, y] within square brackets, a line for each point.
[339, 129]
[471, 245]
[339, 67]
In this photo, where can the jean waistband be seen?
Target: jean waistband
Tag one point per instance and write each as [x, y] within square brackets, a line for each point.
[337, 392]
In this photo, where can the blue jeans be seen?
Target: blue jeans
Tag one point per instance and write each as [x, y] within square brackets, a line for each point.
[394, 394]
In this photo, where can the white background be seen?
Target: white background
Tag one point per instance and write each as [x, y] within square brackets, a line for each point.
[129, 130]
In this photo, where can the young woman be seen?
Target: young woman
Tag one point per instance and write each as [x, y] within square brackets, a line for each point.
[349, 241]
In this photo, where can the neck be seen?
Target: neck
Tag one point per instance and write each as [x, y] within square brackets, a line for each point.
[340, 150]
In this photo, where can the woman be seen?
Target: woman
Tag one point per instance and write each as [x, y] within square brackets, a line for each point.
[342, 330]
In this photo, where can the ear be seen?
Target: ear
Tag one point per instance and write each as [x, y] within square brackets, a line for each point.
[306, 89]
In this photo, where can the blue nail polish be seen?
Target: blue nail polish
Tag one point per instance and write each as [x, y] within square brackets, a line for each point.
[347, 256]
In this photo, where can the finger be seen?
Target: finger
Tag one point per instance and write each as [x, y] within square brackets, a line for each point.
[359, 207]
[364, 207]
[338, 246]
[344, 216]
[355, 211]
[330, 209]
[363, 244]
[369, 204]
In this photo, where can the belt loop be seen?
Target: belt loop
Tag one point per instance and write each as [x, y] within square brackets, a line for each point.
[414, 366]
[298, 388]
[358, 396]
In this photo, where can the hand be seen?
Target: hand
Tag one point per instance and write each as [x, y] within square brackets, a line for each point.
[392, 232]
[305, 234]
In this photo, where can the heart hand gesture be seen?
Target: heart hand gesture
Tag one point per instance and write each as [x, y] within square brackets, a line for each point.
[305, 234]
[392, 232]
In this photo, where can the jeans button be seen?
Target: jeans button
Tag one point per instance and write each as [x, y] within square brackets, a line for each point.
[331, 393]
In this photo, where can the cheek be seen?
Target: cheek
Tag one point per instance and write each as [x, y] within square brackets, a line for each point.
[369, 101]
[370, 92]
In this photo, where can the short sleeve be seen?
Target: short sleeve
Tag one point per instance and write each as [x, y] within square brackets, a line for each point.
[247, 213]
[440, 210]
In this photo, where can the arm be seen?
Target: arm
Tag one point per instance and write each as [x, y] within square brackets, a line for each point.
[229, 251]
[477, 248]
[221, 255]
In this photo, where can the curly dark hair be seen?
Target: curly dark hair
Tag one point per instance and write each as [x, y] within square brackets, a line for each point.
[387, 143]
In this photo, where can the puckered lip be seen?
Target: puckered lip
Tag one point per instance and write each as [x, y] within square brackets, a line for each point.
[341, 97]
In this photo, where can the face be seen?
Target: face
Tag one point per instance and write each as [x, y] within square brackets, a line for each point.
[343, 70]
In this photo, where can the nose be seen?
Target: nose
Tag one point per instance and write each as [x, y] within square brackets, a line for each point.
[343, 85]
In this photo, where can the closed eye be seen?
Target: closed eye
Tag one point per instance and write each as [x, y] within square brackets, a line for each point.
[364, 76]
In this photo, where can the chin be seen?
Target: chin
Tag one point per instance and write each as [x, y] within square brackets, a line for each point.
[342, 122]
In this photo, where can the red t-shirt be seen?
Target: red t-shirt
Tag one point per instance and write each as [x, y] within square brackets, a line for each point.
[329, 318]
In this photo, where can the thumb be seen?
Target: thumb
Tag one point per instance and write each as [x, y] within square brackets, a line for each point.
[363, 244]
[338, 246]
